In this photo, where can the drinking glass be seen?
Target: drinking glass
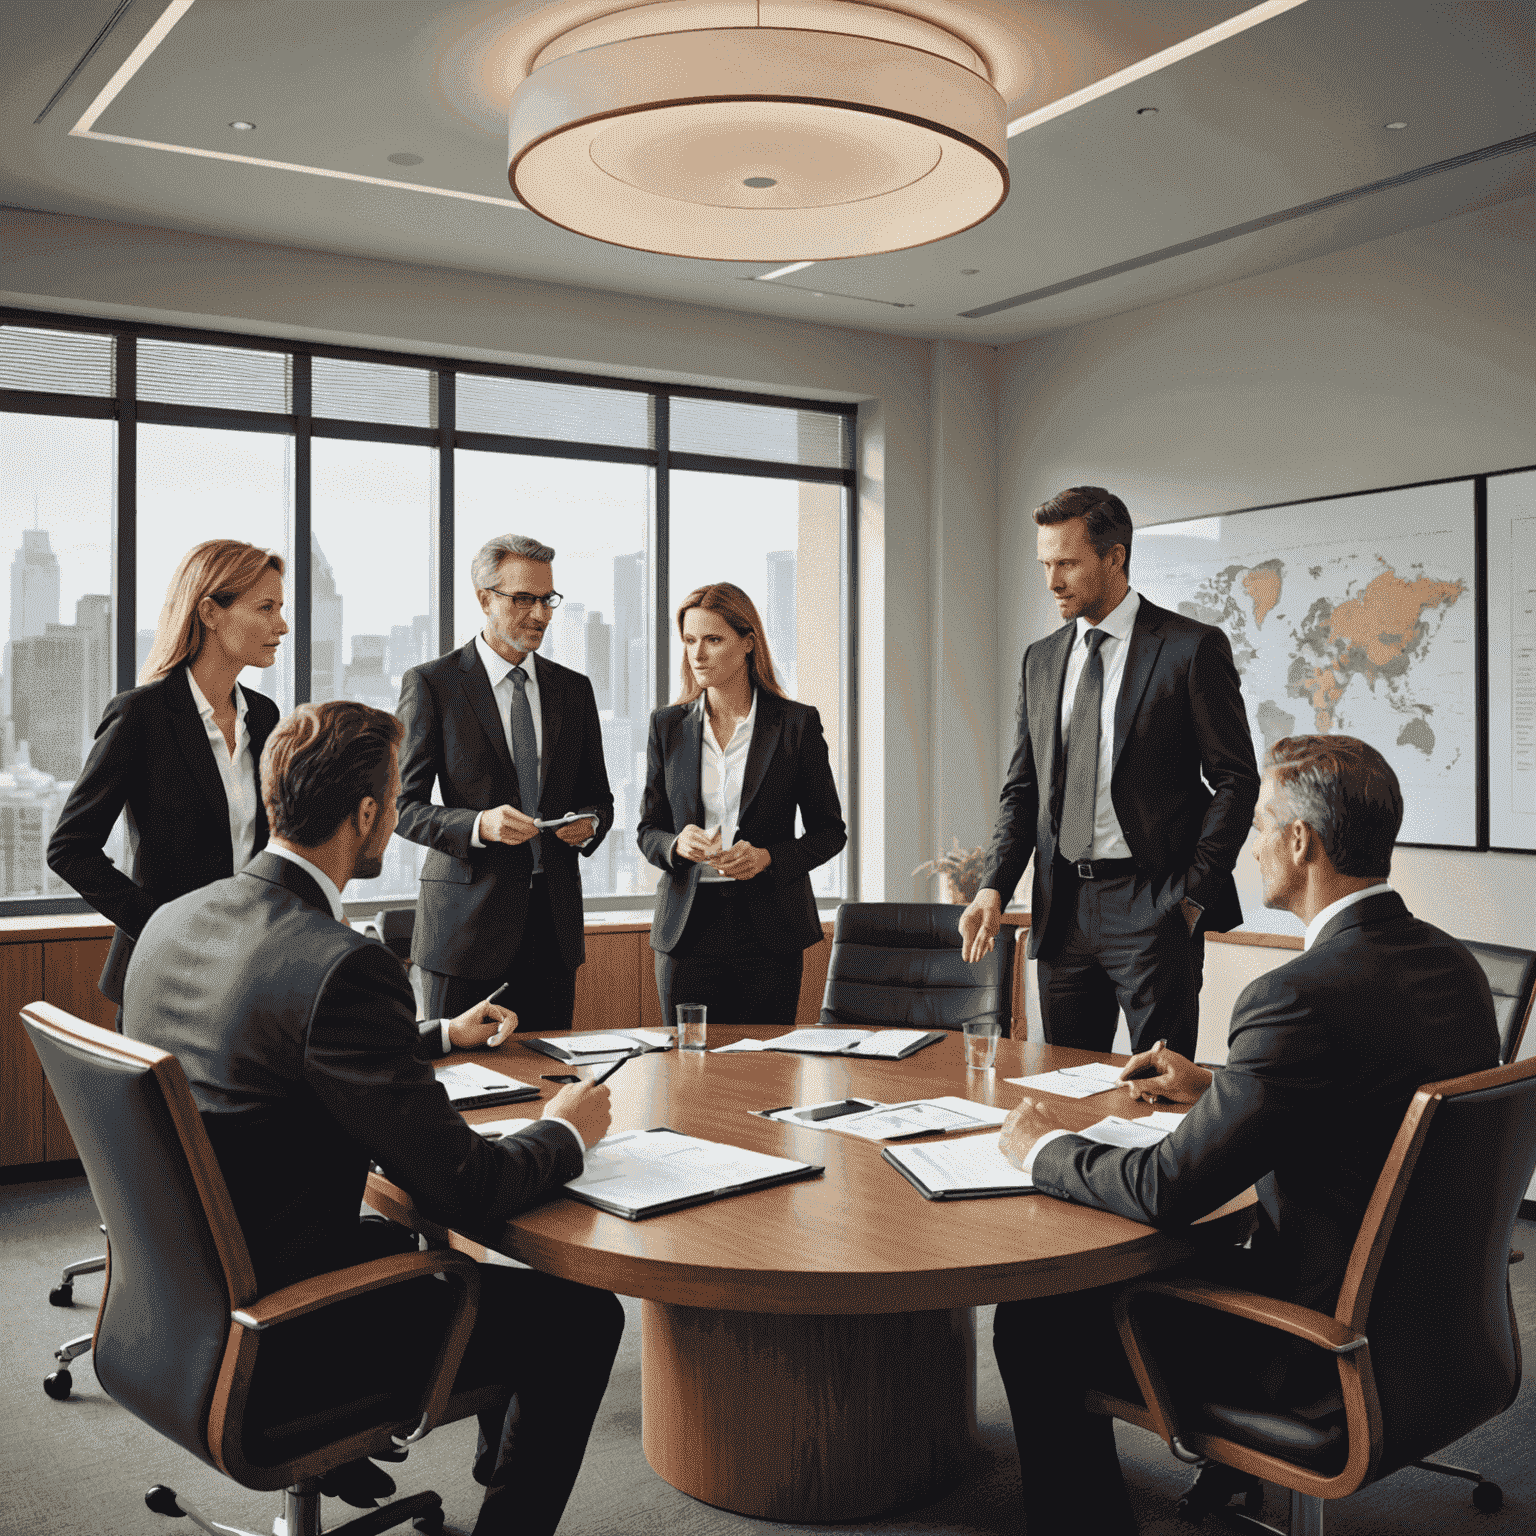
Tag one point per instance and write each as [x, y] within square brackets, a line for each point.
[691, 1026]
[981, 1036]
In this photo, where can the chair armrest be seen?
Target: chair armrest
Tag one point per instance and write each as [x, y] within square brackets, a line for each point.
[343, 1284]
[1302, 1322]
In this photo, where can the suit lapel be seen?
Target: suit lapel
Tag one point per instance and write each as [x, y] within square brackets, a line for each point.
[477, 690]
[191, 737]
[551, 698]
[685, 759]
[1048, 677]
[765, 737]
[1139, 663]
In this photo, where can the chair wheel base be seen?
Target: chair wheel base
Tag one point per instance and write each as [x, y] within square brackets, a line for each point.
[57, 1385]
[62, 1296]
[1214, 1487]
[161, 1500]
[1488, 1497]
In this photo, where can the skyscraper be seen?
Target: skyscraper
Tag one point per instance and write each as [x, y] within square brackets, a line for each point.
[325, 628]
[34, 585]
[600, 659]
[48, 699]
[779, 614]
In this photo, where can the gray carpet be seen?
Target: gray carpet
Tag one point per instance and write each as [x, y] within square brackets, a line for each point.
[80, 1468]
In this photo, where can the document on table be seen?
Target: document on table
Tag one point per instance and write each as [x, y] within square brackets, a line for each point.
[470, 1086]
[644, 1173]
[892, 1122]
[597, 1045]
[968, 1169]
[1074, 1082]
[883, 1044]
[1113, 1131]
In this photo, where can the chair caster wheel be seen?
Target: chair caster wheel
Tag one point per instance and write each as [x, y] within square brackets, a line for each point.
[162, 1501]
[1488, 1497]
[1214, 1487]
[431, 1523]
[57, 1385]
[62, 1295]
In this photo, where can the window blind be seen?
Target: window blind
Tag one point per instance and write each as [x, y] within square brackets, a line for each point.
[381, 392]
[784, 435]
[567, 413]
[229, 378]
[58, 362]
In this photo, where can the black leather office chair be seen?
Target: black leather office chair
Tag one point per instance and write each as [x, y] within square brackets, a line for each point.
[899, 963]
[1424, 1332]
[183, 1340]
[1512, 976]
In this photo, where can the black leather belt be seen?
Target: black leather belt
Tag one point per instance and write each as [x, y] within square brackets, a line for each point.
[1101, 869]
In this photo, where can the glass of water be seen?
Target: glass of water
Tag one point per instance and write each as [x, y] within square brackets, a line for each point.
[691, 1026]
[981, 1036]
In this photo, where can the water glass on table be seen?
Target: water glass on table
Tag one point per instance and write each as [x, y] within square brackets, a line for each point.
[981, 1036]
[691, 1026]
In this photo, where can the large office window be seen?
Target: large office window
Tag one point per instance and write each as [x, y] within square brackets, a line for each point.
[122, 446]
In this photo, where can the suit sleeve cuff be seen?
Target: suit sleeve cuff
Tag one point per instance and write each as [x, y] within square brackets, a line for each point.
[1039, 1146]
[581, 1146]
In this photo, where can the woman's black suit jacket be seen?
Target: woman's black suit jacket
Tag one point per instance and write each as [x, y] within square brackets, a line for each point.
[787, 768]
[151, 756]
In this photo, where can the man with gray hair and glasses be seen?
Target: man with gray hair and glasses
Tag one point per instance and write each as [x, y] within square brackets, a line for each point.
[510, 740]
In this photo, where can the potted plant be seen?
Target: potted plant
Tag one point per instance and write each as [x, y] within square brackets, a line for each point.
[959, 872]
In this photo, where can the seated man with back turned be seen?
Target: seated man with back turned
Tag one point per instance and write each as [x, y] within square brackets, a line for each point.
[1324, 1056]
[300, 1041]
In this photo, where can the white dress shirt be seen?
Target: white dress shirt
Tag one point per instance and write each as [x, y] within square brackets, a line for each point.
[1108, 840]
[499, 669]
[237, 769]
[333, 899]
[1333, 909]
[721, 771]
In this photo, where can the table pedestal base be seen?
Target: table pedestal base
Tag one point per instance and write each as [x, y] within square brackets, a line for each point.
[808, 1418]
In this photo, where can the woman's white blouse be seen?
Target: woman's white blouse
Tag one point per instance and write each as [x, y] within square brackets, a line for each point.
[721, 773]
[237, 769]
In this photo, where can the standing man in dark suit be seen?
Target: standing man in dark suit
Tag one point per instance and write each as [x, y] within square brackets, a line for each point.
[508, 739]
[1132, 783]
[1324, 1056]
[299, 1039]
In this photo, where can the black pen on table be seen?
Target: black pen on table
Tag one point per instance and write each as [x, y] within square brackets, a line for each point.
[498, 1037]
[1150, 1070]
[615, 1067]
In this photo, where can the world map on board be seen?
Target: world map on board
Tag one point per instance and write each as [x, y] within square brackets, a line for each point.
[1355, 616]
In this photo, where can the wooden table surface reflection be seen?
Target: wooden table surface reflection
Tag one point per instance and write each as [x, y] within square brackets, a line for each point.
[808, 1350]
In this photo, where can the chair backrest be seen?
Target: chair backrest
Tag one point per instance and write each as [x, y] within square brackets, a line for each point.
[394, 928]
[899, 963]
[178, 1262]
[1512, 978]
[1428, 1279]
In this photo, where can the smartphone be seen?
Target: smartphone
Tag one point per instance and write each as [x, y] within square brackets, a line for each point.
[558, 1077]
[832, 1111]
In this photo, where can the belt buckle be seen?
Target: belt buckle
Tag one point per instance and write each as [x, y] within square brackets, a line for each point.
[1084, 869]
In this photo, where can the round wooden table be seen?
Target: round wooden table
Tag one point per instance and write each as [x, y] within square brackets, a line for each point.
[808, 1351]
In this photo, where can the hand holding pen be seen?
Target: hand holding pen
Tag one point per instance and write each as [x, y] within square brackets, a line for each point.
[484, 1024]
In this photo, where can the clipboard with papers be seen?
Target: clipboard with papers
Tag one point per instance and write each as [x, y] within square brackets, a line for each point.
[635, 1174]
[475, 1087]
[598, 1045]
[825, 1040]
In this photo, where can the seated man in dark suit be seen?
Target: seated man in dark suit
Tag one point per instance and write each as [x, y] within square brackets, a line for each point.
[300, 1041]
[1323, 1057]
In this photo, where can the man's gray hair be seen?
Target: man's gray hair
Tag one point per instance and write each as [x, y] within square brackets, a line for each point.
[483, 568]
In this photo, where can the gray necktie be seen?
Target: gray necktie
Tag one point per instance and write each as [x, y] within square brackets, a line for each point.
[1077, 812]
[525, 754]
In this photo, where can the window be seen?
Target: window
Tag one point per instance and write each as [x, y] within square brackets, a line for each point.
[388, 472]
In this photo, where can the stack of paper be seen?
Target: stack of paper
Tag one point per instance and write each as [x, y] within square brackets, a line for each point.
[892, 1122]
[1075, 1082]
[600, 1045]
[884, 1044]
[471, 1087]
[968, 1169]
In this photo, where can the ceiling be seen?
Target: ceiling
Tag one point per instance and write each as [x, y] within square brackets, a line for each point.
[1264, 150]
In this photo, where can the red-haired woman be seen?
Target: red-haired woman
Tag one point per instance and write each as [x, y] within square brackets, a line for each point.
[182, 751]
[727, 767]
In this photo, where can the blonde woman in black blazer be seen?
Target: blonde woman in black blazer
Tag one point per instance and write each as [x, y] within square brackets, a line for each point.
[727, 767]
[181, 753]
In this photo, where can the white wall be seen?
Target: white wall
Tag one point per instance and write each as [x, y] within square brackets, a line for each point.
[1405, 359]
[925, 522]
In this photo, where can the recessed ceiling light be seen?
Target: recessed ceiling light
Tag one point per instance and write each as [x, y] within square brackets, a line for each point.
[405, 157]
[241, 126]
[1146, 111]
[759, 181]
[1394, 126]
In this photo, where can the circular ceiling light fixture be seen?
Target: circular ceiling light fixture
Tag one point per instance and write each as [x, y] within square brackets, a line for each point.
[733, 130]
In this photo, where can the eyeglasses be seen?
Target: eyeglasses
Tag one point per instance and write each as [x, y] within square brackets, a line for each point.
[523, 601]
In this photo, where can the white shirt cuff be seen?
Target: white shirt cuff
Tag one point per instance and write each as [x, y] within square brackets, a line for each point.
[1044, 1141]
[580, 1144]
[475, 840]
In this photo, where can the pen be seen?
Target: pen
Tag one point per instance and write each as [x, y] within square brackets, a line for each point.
[614, 1068]
[498, 1037]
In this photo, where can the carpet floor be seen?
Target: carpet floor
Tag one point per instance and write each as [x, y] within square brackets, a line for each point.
[80, 1468]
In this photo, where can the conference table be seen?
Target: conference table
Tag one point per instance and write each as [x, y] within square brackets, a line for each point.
[808, 1351]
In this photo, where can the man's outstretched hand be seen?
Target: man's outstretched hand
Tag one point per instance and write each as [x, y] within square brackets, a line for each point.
[979, 925]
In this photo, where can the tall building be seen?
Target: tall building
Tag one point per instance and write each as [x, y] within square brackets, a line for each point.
[600, 659]
[30, 803]
[366, 680]
[324, 628]
[779, 615]
[93, 618]
[569, 634]
[629, 691]
[34, 585]
[48, 699]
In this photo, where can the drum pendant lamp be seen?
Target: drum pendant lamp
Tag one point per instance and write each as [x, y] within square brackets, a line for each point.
[790, 130]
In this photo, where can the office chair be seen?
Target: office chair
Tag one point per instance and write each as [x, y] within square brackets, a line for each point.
[58, 1383]
[899, 963]
[393, 928]
[1423, 1335]
[184, 1341]
[1512, 976]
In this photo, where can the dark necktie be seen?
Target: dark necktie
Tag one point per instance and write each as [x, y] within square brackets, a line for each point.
[525, 754]
[1077, 812]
